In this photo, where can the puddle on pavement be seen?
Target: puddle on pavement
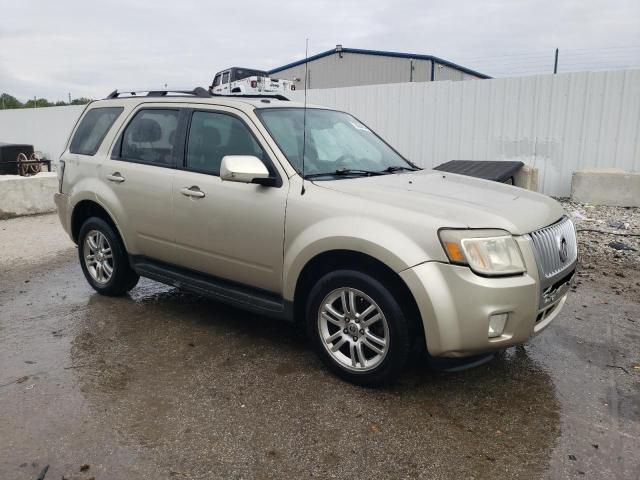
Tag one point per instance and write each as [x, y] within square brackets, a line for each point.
[194, 379]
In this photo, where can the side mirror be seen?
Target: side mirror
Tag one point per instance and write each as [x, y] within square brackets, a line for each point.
[245, 169]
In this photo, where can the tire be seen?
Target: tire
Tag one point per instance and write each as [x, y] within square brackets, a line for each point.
[336, 334]
[101, 251]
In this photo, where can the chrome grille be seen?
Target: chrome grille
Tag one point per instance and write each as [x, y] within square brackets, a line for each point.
[549, 248]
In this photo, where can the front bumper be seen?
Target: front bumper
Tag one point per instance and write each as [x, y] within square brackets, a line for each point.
[455, 305]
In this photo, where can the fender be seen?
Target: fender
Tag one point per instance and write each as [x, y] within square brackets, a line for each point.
[360, 234]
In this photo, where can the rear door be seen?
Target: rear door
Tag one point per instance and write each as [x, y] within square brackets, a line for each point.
[139, 175]
[231, 230]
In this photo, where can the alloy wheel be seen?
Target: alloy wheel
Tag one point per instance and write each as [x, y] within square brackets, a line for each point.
[98, 257]
[353, 329]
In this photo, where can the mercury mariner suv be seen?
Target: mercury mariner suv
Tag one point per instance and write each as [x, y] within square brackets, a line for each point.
[309, 216]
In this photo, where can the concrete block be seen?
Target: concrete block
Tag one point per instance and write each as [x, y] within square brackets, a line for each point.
[27, 195]
[612, 187]
[527, 177]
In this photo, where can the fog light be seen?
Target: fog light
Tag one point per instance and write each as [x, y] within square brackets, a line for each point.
[497, 323]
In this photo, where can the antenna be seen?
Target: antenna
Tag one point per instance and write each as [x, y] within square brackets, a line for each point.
[304, 111]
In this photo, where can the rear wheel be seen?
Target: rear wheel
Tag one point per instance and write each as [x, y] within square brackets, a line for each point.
[358, 328]
[103, 258]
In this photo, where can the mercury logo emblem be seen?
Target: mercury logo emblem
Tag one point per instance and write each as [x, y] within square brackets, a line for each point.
[563, 250]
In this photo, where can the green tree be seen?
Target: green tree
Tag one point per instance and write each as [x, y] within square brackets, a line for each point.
[39, 103]
[80, 101]
[9, 101]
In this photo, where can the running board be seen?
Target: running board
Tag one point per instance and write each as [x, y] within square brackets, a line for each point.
[231, 293]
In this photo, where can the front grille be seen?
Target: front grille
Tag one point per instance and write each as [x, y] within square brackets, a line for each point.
[555, 247]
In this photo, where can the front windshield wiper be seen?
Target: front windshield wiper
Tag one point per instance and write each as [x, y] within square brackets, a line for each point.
[397, 168]
[347, 171]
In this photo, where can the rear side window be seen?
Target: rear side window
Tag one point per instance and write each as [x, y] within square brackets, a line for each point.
[151, 137]
[214, 135]
[92, 130]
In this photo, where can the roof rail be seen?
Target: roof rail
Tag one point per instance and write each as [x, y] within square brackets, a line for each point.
[155, 92]
[197, 92]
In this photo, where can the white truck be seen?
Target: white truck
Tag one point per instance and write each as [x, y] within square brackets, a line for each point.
[248, 81]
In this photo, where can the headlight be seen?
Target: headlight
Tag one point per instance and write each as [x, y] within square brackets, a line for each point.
[486, 252]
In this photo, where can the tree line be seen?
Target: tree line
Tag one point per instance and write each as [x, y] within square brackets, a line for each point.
[9, 102]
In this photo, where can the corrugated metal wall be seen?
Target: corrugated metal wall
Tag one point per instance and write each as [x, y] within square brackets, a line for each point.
[357, 69]
[557, 123]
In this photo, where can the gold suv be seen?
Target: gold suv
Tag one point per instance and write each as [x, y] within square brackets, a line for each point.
[309, 216]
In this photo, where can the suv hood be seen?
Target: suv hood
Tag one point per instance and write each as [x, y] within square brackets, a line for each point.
[459, 200]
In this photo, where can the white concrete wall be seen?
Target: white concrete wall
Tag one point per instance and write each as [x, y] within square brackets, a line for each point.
[47, 129]
[556, 123]
[27, 195]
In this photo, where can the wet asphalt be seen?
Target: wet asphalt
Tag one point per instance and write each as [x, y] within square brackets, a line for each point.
[164, 384]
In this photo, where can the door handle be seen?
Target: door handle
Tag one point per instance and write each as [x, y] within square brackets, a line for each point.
[193, 191]
[115, 177]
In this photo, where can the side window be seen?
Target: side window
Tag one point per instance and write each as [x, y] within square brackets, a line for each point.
[92, 130]
[214, 135]
[225, 77]
[151, 137]
[216, 80]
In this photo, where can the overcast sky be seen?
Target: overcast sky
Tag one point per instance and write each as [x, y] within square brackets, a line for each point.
[52, 48]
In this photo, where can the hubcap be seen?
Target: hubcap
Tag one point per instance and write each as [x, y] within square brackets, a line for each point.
[353, 329]
[98, 257]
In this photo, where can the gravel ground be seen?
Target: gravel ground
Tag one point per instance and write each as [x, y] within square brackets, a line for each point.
[609, 240]
[161, 384]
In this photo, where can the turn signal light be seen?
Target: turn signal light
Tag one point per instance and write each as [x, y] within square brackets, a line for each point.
[454, 252]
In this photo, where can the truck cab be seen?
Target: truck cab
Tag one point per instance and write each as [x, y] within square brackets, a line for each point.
[248, 81]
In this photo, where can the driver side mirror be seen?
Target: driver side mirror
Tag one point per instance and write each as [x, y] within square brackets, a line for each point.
[245, 169]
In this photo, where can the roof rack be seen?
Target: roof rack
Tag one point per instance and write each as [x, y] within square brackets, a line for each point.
[155, 92]
[197, 92]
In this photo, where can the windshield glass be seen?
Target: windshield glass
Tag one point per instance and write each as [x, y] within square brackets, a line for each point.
[240, 73]
[335, 141]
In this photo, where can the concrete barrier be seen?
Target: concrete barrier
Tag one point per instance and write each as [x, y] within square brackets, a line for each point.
[527, 177]
[27, 195]
[612, 187]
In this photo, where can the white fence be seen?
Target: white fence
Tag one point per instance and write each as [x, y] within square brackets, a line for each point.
[557, 123]
[47, 129]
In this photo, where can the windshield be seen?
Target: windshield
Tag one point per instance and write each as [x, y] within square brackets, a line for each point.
[240, 73]
[335, 141]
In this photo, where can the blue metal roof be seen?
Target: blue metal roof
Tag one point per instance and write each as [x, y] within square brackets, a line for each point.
[382, 53]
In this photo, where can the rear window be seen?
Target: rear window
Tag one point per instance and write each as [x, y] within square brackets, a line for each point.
[92, 130]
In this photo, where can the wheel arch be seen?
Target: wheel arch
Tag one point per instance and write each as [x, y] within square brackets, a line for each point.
[86, 209]
[332, 260]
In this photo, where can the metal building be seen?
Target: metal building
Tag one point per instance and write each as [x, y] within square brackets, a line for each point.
[348, 67]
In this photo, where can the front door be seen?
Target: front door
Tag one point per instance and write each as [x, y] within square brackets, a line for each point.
[234, 231]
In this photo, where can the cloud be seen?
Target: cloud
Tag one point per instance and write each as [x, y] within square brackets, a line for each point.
[88, 48]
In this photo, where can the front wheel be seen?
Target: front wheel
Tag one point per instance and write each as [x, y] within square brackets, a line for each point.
[104, 259]
[358, 328]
